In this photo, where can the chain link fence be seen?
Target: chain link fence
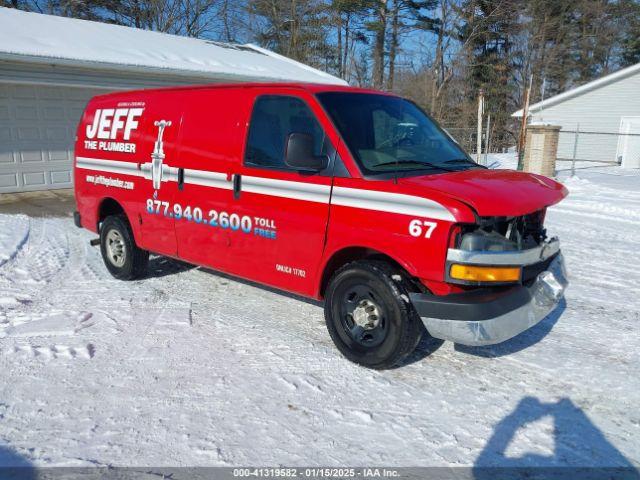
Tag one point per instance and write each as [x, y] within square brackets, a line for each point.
[496, 142]
[579, 147]
[466, 137]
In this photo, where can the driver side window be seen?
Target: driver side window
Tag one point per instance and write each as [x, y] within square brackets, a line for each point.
[274, 117]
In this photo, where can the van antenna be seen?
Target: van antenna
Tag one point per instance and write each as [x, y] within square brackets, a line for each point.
[395, 170]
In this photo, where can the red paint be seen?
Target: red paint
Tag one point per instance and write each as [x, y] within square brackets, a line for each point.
[208, 133]
[494, 192]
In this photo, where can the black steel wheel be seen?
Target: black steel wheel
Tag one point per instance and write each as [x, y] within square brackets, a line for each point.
[368, 314]
[362, 315]
[122, 257]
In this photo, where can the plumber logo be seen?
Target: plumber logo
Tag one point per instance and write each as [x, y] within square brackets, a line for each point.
[157, 157]
[111, 130]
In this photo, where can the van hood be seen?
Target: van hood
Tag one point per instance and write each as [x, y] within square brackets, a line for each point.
[493, 192]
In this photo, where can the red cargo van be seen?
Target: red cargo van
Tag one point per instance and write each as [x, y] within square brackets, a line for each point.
[352, 196]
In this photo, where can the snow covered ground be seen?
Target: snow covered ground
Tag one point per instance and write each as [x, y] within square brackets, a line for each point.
[188, 367]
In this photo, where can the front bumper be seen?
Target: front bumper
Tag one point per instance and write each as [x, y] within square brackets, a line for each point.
[489, 316]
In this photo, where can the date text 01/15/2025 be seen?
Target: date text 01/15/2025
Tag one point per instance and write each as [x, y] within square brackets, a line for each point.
[262, 227]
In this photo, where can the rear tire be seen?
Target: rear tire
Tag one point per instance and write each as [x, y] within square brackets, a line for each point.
[369, 316]
[122, 257]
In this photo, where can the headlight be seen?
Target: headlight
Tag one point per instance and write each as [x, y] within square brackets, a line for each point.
[486, 241]
[472, 273]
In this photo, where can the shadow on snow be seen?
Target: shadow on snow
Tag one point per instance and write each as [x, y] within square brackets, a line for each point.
[580, 449]
[14, 466]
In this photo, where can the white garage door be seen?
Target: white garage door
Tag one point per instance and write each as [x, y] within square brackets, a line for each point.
[629, 142]
[37, 132]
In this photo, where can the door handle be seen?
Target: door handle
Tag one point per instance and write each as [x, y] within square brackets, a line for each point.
[180, 178]
[237, 185]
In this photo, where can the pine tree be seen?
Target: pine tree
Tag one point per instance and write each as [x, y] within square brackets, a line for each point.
[488, 31]
[350, 18]
[379, 27]
[628, 16]
[407, 16]
[294, 28]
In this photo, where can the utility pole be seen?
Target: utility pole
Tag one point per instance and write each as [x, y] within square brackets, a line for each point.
[523, 126]
[487, 136]
[434, 90]
[479, 131]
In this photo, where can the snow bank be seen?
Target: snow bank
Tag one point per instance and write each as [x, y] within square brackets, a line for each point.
[37, 37]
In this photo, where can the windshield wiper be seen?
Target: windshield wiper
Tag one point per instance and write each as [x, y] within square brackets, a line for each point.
[415, 162]
[464, 160]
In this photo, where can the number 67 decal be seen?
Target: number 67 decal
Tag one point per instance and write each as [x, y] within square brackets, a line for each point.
[417, 227]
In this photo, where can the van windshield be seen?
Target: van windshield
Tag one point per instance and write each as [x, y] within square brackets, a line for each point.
[387, 134]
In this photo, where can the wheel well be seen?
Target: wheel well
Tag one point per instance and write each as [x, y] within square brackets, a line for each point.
[108, 207]
[351, 254]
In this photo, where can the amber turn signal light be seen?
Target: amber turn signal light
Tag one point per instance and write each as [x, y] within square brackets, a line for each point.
[472, 273]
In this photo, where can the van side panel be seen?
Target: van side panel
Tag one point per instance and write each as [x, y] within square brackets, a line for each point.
[157, 136]
[213, 130]
[193, 212]
[96, 173]
[115, 141]
[410, 229]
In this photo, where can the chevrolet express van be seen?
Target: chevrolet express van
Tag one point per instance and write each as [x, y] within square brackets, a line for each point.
[351, 196]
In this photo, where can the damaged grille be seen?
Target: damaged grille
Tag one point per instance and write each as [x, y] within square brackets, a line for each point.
[527, 231]
[505, 233]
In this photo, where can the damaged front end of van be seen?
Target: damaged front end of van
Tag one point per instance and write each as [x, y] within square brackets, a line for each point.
[513, 276]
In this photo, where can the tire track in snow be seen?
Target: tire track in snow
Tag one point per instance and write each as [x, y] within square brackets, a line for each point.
[9, 251]
[39, 260]
[46, 266]
[19, 257]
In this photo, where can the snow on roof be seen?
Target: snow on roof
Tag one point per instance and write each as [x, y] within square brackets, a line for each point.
[49, 39]
[600, 82]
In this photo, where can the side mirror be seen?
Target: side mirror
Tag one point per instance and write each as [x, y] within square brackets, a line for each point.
[299, 153]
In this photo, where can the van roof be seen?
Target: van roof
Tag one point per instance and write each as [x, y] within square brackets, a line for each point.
[310, 87]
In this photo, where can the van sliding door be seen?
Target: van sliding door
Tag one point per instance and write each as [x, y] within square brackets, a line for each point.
[210, 149]
[157, 153]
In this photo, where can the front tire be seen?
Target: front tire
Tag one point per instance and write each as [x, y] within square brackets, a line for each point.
[122, 257]
[369, 316]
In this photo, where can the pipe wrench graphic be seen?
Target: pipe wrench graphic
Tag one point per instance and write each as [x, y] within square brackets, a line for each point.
[157, 157]
[155, 170]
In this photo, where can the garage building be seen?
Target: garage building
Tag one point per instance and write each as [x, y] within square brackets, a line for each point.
[51, 66]
[604, 112]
